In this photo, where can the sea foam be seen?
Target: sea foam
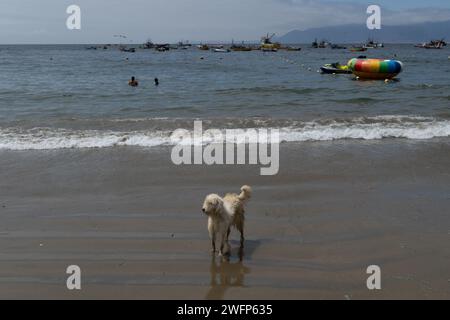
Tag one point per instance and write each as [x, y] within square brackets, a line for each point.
[364, 128]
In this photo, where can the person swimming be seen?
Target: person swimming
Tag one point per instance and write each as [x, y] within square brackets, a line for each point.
[156, 82]
[133, 82]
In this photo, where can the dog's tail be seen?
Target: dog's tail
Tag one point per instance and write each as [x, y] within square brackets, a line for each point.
[246, 193]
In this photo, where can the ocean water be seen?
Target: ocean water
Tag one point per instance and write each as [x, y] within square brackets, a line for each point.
[56, 97]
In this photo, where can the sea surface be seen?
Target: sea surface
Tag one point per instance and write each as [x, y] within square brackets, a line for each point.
[58, 97]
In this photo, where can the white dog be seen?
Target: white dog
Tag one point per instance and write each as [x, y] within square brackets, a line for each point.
[223, 213]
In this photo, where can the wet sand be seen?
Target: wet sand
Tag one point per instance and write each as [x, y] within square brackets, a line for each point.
[132, 221]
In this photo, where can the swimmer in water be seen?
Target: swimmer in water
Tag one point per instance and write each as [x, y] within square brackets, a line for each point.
[156, 82]
[133, 82]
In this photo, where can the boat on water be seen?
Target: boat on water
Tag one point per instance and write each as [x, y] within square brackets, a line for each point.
[241, 47]
[292, 48]
[129, 50]
[358, 49]
[434, 44]
[371, 44]
[336, 46]
[269, 49]
[203, 47]
[184, 45]
[148, 45]
[335, 68]
[267, 45]
[221, 50]
[162, 47]
[320, 45]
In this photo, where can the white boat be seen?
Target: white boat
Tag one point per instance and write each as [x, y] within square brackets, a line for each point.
[220, 50]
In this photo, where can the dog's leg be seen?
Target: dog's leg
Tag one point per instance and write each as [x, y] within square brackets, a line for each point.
[213, 242]
[212, 235]
[223, 246]
[241, 230]
[241, 254]
[228, 237]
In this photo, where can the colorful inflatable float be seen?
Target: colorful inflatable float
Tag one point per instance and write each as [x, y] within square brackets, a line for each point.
[376, 69]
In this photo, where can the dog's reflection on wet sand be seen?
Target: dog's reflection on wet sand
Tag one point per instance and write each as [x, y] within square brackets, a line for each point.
[226, 274]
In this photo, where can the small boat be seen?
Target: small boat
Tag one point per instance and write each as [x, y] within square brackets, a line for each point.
[323, 44]
[162, 47]
[263, 49]
[371, 44]
[241, 47]
[148, 45]
[293, 49]
[203, 47]
[434, 44]
[320, 45]
[130, 50]
[358, 49]
[336, 46]
[335, 68]
[221, 50]
[184, 46]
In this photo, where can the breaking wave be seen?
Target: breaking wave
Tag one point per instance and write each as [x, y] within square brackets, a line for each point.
[364, 128]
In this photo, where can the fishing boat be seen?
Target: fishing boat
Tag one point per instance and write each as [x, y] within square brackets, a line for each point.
[241, 47]
[323, 44]
[162, 47]
[203, 47]
[267, 45]
[371, 44]
[148, 45]
[434, 44]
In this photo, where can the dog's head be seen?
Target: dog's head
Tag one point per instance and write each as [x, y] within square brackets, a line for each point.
[212, 205]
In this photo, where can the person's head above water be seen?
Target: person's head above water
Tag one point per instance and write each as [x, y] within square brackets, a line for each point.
[133, 82]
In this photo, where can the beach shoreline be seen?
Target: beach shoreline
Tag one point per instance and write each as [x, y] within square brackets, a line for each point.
[132, 221]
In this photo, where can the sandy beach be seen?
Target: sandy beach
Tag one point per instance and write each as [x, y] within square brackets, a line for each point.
[133, 223]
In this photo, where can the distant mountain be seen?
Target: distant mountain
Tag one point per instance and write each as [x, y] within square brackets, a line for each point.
[355, 33]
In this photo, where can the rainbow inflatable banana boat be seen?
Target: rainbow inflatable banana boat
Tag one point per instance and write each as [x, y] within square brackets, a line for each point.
[376, 69]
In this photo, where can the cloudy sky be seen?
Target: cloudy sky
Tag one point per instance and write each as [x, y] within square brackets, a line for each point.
[44, 21]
